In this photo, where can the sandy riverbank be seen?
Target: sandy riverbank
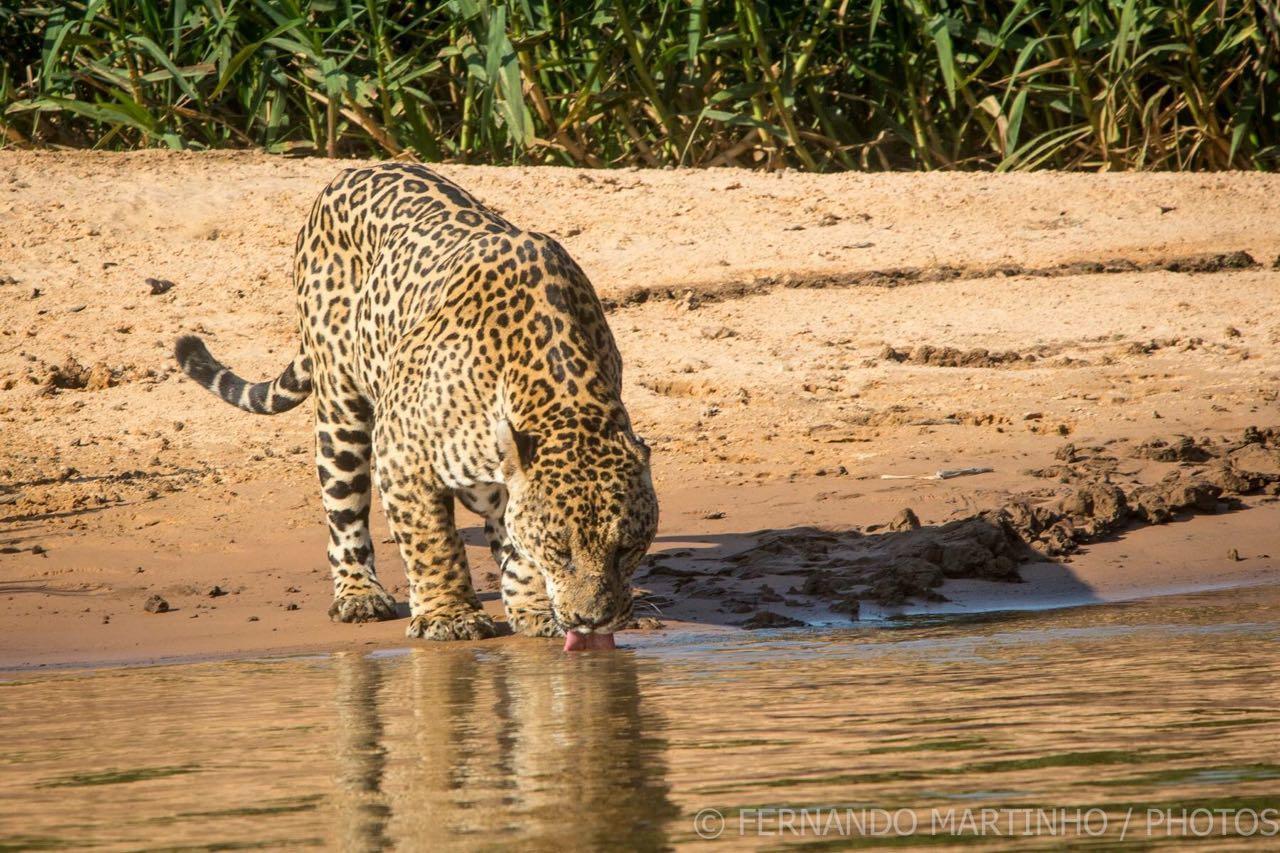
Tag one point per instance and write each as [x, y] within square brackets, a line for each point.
[775, 362]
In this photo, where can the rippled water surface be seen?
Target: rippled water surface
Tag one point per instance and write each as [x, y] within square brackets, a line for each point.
[1168, 704]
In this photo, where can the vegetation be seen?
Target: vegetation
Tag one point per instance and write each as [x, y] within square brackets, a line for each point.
[819, 85]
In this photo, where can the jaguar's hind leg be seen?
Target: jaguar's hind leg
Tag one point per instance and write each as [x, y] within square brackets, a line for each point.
[342, 460]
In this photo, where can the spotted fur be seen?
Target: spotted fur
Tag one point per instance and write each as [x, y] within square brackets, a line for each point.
[451, 354]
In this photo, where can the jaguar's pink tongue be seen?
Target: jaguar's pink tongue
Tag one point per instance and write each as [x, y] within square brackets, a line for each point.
[575, 642]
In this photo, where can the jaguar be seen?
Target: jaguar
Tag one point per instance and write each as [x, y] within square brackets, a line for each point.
[451, 355]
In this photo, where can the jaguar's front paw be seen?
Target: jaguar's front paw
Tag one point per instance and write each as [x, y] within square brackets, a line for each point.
[465, 625]
[370, 605]
[534, 623]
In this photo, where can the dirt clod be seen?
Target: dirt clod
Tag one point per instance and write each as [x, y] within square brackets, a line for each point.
[1181, 449]
[1212, 263]
[932, 356]
[905, 520]
[72, 375]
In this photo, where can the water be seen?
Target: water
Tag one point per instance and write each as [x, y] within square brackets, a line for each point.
[1165, 704]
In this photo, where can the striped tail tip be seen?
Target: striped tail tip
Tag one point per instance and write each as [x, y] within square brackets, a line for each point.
[281, 394]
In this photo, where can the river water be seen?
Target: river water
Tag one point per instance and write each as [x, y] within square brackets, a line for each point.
[1155, 721]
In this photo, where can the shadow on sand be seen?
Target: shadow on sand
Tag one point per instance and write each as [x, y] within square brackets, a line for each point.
[804, 575]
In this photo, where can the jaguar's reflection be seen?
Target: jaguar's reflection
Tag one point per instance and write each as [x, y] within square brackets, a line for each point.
[522, 744]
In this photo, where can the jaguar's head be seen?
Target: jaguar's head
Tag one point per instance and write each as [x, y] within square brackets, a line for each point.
[581, 507]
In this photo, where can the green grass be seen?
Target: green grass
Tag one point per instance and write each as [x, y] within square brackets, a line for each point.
[819, 85]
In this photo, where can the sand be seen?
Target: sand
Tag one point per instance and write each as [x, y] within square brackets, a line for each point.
[789, 341]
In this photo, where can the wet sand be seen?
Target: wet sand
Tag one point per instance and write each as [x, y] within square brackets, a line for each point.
[789, 341]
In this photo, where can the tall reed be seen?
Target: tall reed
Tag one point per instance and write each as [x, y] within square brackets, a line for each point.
[818, 85]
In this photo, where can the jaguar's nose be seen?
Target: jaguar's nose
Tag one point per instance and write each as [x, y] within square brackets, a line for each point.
[584, 623]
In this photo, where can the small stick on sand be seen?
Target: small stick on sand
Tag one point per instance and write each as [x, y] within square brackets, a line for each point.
[940, 474]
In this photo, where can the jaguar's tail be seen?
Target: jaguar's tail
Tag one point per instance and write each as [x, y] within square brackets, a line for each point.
[281, 394]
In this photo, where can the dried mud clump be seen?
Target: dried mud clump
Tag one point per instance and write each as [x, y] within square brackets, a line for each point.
[1210, 476]
[1211, 263]
[1156, 344]
[899, 415]
[1182, 449]
[932, 356]
[159, 286]
[71, 375]
[1059, 528]
[1077, 465]
[905, 520]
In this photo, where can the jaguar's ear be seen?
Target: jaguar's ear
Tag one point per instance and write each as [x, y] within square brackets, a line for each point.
[516, 449]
